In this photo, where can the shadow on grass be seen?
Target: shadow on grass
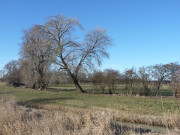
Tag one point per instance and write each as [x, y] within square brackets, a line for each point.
[8, 92]
[59, 89]
[165, 93]
[43, 100]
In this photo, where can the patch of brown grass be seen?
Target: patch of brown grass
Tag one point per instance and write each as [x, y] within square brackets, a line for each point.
[16, 120]
[170, 120]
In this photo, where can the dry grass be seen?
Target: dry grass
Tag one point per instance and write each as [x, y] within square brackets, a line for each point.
[170, 120]
[16, 120]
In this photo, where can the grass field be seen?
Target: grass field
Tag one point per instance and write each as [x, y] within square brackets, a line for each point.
[119, 89]
[65, 95]
[101, 109]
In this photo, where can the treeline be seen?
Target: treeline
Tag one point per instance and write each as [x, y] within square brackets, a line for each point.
[142, 81]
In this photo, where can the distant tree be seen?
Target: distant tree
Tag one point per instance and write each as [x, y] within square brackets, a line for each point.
[99, 80]
[70, 55]
[2, 75]
[82, 76]
[144, 75]
[160, 74]
[130, 77]
[36, 52]
[112, 77]
[174, 76]
[59, 77]
[12, 70]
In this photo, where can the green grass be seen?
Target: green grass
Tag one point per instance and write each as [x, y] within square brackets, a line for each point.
[120, 89]
[66, 96]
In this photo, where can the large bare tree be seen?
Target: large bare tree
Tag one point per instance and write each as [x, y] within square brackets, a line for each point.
[36, 52]
[72, 56]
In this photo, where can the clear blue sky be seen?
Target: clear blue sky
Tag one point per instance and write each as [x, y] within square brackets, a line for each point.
[144, 32]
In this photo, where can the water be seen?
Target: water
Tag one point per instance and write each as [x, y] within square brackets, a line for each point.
[141, 128]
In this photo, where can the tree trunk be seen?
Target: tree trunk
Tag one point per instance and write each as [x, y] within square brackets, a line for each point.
[110, 91]
[34, 86]
[177, 92]
[102, 90]
[76, 83]
[130, 92]
[158, 87]
[42, 83]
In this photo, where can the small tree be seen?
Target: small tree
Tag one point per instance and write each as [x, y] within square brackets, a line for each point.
[13, 76]
[2, 75]
[112, 77]
[160, 74]
[130, 76]
[145, 78]
[173, 76]
[99, 80]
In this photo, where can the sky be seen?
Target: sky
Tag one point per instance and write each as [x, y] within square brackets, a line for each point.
[144, 32]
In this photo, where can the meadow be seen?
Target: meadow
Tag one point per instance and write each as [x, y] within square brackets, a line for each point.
[65, 95]
[163, 111]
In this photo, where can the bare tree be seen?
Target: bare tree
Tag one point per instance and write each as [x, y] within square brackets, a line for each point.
[159, 73]
[144, 74]
[82, 76]
[173, 76]
[28, 73]
[58, 77]
[112, 77]
[130, 76]
[99, 80]
[12, 70]
[2, 75]
[70, 55]
[36, 51]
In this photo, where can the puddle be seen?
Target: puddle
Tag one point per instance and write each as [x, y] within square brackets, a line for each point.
[140, 128]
